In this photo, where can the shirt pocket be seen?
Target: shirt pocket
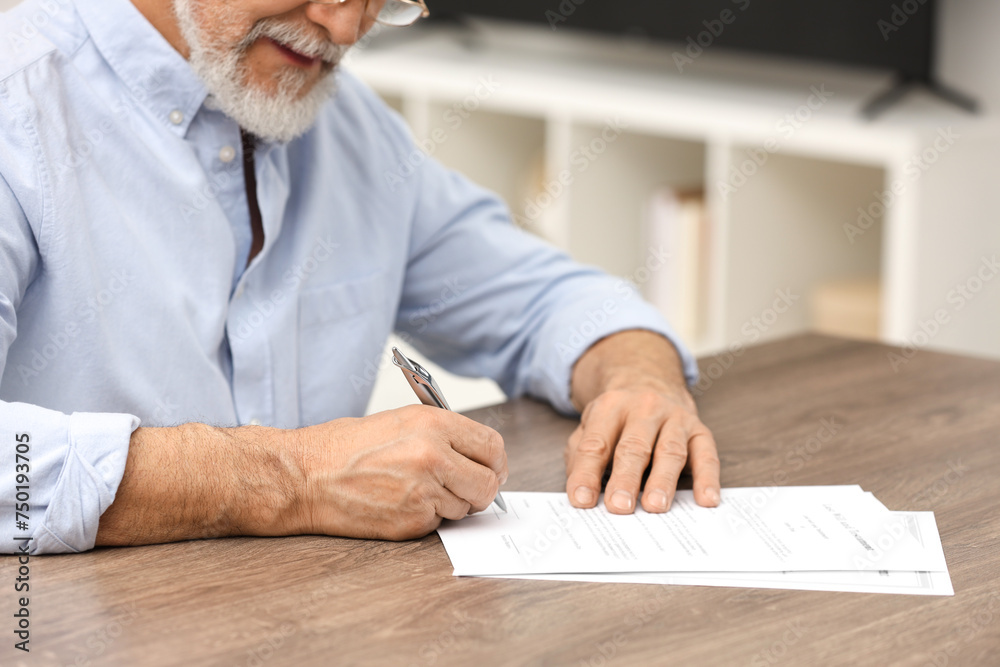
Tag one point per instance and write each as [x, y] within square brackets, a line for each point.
[342, 331]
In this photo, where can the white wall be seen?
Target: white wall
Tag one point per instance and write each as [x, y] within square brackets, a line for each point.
[969, 51]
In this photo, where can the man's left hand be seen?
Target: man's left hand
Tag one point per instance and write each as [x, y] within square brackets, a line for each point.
[636, 408]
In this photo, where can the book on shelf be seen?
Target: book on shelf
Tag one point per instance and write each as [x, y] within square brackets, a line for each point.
[848, 308]
[677, 235]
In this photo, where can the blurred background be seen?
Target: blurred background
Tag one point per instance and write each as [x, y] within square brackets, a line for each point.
[758, 169]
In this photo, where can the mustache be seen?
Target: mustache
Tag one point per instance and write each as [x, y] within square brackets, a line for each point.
[296, 37]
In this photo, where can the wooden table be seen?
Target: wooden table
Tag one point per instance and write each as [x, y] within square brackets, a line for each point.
[922, 437]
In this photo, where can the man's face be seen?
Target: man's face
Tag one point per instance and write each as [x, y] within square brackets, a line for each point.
[268, 64]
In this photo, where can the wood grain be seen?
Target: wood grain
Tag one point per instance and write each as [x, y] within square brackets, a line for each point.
[922, 438]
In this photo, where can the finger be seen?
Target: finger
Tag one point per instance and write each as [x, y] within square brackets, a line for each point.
[669, 457]
[478, 443]
[588, 455]
[568, 452]
[704, 457]
[449, 506]
[574, 440]
[475, 484]
[631, 458]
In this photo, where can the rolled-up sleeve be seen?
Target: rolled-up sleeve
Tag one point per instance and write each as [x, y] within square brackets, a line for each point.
[58, 473]
[73, 465]
[485, 298]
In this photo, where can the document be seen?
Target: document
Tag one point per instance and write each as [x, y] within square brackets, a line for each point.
[920, 524]
[754, 530]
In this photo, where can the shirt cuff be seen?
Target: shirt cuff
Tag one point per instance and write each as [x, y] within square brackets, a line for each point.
[566, 336]
[93, 468]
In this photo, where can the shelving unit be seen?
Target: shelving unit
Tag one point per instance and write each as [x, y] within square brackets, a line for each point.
[785, 226]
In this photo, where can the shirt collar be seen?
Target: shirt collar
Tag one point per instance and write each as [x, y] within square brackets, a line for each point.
[158, 77]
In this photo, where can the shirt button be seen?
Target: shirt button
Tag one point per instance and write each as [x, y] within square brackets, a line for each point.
[255, 422]
[227, 154]
[176, 116]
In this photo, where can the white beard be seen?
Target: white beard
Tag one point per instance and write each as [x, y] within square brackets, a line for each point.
[280, 115]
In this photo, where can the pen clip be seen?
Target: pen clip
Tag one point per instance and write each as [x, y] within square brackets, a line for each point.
[428, 392]
[420, 380]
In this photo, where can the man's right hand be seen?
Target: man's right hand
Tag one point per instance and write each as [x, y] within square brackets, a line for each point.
[396, 474]
[393, 475]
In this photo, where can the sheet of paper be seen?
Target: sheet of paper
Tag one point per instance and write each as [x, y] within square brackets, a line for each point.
[765, 529]
[920, 524]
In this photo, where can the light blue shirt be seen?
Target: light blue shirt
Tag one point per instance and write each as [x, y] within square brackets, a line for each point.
[124, 233]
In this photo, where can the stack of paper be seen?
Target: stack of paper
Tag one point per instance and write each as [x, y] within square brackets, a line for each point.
[835, 538]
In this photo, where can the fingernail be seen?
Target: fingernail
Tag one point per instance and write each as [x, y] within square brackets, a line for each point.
[583, 495]
[622, 500]
[713, 496]
[503, 479]
[658, 500]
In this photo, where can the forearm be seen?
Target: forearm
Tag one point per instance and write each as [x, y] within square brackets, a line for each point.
[197, 481]
[628, 359]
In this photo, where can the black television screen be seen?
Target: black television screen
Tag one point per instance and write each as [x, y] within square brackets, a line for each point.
[895, 35]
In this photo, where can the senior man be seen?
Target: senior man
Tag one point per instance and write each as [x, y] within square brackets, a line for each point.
[197, 235]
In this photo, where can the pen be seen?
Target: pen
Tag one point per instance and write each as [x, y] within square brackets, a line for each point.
[427, 391]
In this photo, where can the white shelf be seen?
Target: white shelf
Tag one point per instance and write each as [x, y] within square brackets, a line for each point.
[555, 91]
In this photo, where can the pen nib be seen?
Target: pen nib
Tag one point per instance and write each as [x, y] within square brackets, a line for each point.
[498, 501]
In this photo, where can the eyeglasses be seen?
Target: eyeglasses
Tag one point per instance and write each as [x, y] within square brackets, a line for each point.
[397, 13]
